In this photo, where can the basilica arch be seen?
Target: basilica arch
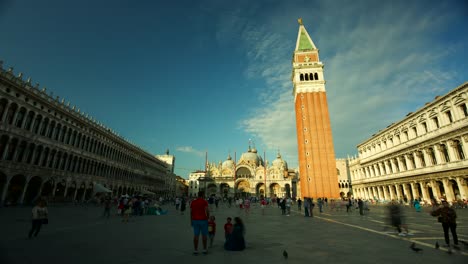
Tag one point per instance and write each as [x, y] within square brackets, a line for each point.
[224, 189]
[211, 189]
[244, 172]
[243, 188]
[260, 189]
[275, 190]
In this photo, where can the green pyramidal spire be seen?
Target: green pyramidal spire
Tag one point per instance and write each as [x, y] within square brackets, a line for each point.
[304, 42]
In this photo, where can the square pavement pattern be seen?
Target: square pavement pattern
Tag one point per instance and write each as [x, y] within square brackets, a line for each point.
[78, 234]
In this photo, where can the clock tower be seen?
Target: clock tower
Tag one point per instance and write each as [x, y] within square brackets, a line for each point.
[317, 165]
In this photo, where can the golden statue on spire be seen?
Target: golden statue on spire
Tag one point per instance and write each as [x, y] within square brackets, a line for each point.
[299, 20]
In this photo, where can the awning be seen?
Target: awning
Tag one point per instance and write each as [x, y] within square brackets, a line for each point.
[98, 188]
[146, 192]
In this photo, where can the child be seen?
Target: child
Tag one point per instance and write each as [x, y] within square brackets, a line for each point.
[211, 229]
[227, 228]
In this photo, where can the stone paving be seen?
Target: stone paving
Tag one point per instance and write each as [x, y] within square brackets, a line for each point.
[81, 235]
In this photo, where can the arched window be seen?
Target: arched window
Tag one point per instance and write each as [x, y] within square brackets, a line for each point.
[306, 76]
[311, 76]
[301, 77]
[3, 105]
[11, 113]
[44, 127]
[20, 117]
[316, 76]
[51, 129]
[29, 120]
[21, 151]
[12, 149]
[421, 158]
[46, 156]
[337, 172]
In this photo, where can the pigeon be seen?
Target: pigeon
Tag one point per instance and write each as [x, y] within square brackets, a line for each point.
[437, 245]
[414, 248]
[285, 254]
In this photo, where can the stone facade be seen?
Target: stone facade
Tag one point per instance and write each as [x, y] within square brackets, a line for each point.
[250, 176]
[48, 148]
[422, 156]
[344, 178]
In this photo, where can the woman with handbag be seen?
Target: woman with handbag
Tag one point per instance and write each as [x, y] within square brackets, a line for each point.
[39, 217]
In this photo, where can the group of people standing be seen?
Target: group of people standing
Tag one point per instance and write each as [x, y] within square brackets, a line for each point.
[205, 224]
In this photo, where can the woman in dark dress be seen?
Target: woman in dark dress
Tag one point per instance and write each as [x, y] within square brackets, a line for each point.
[235, 241]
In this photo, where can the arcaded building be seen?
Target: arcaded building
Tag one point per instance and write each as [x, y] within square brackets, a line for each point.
[423, 156]
[49, 148]
[314, 135]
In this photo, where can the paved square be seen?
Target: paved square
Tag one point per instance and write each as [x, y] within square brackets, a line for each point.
[81, 235]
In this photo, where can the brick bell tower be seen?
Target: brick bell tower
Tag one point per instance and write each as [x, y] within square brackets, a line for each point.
[317, 165]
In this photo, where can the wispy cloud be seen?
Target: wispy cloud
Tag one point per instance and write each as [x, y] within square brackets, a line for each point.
[189, 149]
[379, 64]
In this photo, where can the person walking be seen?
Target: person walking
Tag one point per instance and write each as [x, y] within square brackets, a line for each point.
[361, 206]
[183, 205]
[107, 207]
[39, 217]
[447, 216]
[306, 207]
[199, 213]
[288, 203]
[299, 204]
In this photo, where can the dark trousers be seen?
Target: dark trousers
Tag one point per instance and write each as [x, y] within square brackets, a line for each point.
[453, 228]
[36, 227]
[306, 211]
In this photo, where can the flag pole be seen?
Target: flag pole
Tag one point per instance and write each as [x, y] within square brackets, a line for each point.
[264, 172]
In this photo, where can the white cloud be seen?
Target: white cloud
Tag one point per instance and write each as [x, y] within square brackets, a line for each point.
[189, 149]
[381, 62]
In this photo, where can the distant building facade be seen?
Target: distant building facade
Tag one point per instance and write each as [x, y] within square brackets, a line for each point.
[48, 148]
[423, 156]
[344, 178]
[250, 176]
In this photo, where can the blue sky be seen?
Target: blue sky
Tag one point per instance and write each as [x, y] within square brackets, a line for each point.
[196, 76]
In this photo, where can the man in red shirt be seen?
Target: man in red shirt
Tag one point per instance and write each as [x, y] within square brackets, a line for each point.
[199, 214]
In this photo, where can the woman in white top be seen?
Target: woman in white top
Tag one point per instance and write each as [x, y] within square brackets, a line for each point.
[39, 217]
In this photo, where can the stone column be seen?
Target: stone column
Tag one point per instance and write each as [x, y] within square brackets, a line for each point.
[382, 168]
[391, 192]
[436, 190]
[67, 184]
[83, 196]
[55, 188]
[394, 163]
[24, 191]
[76, 192]
[409, 164]
[398, 192]
[415, 190]
[448, 190]
[425, 193]
[464, 143]
[40, 190]
[5, 112]
[452, 152]
[462, 187]
[417, 159]
[438, 154]
[407, 192]
[7, 147]
[5, 191]
[387, 167]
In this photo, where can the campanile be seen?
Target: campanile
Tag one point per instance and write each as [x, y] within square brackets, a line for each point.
[317, 165]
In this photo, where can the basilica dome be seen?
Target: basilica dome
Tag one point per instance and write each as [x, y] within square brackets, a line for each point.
[228, 164]
[280, 163]
[251, 157]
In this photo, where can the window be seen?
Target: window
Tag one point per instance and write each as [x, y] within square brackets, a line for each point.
[415, 132]
[445, 152]
[424, 126]
[461, 154]
[406, 135]
[301, 77]
[464, 110]
[449, 116]
[436, 122]
[432, 157]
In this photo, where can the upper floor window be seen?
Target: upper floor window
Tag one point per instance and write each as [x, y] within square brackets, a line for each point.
[445, 152]
[449, 116]
[424, 126]
[436, 122]
[464, 110]
[458, 146]
[415, 132]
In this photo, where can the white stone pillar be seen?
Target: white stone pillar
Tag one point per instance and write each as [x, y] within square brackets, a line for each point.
[452, 150]
[448, 190]
[409, 164]
[415, 190]
[436, 190]
[5, 191]
[398, 192]
[438, 154]
[464, 143]
[462, 187]
[395, 167]
[55, 188]
[382, 168]
[417, 159]
[7, 147]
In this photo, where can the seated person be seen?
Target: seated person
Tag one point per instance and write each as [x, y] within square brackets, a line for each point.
[235, 241]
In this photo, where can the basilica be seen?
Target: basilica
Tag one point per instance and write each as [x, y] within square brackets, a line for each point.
[251, 175]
